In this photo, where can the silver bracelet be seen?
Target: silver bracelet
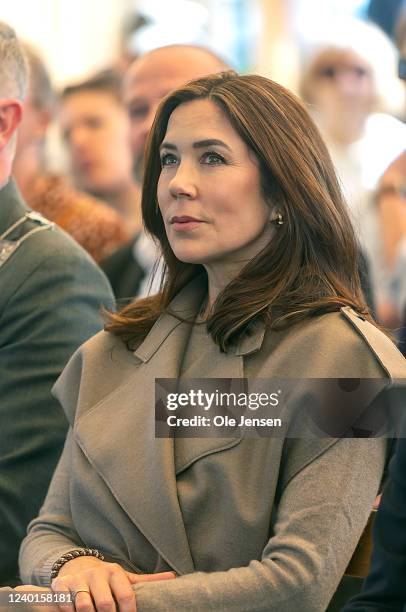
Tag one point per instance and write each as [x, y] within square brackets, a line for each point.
[73, 554]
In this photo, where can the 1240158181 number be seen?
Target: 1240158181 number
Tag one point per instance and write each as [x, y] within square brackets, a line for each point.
[38, 597]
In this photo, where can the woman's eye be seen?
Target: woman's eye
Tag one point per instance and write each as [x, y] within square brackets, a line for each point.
[212, 158]
[168, 160]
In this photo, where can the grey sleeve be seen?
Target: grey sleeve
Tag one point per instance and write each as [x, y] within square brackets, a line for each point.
[319, 520]
[49, 539]
[54, 309]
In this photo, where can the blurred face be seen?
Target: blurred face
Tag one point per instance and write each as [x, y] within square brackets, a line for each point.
[149, 80]
[342, 90]
[209, 189]
[96, 131]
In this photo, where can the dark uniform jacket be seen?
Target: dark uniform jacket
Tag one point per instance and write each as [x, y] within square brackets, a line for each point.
[50, 294]
[385, 587]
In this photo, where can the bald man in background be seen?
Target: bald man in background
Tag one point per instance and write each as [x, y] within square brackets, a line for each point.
[149, 79]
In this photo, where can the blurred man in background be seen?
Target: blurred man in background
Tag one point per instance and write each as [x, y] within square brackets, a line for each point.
[390, 202]
[95, 226]
[50, 294]
[95, 129]
[349, 75]
[147, 81]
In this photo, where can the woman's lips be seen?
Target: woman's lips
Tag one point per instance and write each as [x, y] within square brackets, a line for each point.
[185, 224]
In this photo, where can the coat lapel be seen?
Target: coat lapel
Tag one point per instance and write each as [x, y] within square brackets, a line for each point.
[118, 435]
[139, 469]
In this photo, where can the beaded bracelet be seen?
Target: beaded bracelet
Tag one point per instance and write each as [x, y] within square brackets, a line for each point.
[72, 554]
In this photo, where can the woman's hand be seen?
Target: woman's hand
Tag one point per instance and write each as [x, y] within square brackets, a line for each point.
[99, 586]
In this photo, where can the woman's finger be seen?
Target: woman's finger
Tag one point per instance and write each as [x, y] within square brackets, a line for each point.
[134, 578]
[98, 589]
[123, 592]
[83, 600]
[60, 586]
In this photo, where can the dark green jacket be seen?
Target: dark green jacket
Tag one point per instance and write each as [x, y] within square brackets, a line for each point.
[50, 296]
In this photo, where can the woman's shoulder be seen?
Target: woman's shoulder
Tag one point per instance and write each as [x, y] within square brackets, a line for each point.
[351, 334]
[102, 344]
[336, 344]
[100, 365]
[377, 343]
[103, 350]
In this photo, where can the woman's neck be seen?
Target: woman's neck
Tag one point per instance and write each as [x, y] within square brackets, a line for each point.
[221, 272]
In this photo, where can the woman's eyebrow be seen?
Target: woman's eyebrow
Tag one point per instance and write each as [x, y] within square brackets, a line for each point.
[168, 145]
[209, 142]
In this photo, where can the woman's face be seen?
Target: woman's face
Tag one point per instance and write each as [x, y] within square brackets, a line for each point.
[343, 93]
[209, 189]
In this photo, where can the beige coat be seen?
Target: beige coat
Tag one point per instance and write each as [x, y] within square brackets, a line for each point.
[248, 525]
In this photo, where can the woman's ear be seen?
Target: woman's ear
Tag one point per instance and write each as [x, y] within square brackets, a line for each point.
[11, 111]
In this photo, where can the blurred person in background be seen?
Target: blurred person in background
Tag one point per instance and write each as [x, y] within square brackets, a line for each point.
[93, 224]
[149, 79]
[349, 75]
[391, 206]
[50, 295]
[401, 38]
[390, 199]
[95, 129]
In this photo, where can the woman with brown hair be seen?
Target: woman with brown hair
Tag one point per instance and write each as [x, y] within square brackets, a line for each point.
[261, 283]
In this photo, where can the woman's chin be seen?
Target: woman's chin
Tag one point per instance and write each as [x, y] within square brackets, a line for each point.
[193, 257]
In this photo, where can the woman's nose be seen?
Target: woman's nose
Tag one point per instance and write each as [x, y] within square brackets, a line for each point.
[183, 183]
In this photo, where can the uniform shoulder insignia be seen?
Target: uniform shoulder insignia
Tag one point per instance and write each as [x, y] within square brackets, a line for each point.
[8, 245]
[388, 355]
[35, 216]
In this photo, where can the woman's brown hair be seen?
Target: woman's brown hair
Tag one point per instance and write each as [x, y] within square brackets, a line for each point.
[310, 266]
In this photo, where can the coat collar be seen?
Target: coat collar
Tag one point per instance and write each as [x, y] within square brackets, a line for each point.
[186, 305]
[142, 475]
[12, 206]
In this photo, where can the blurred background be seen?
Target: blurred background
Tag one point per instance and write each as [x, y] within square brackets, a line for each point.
[78, 37]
